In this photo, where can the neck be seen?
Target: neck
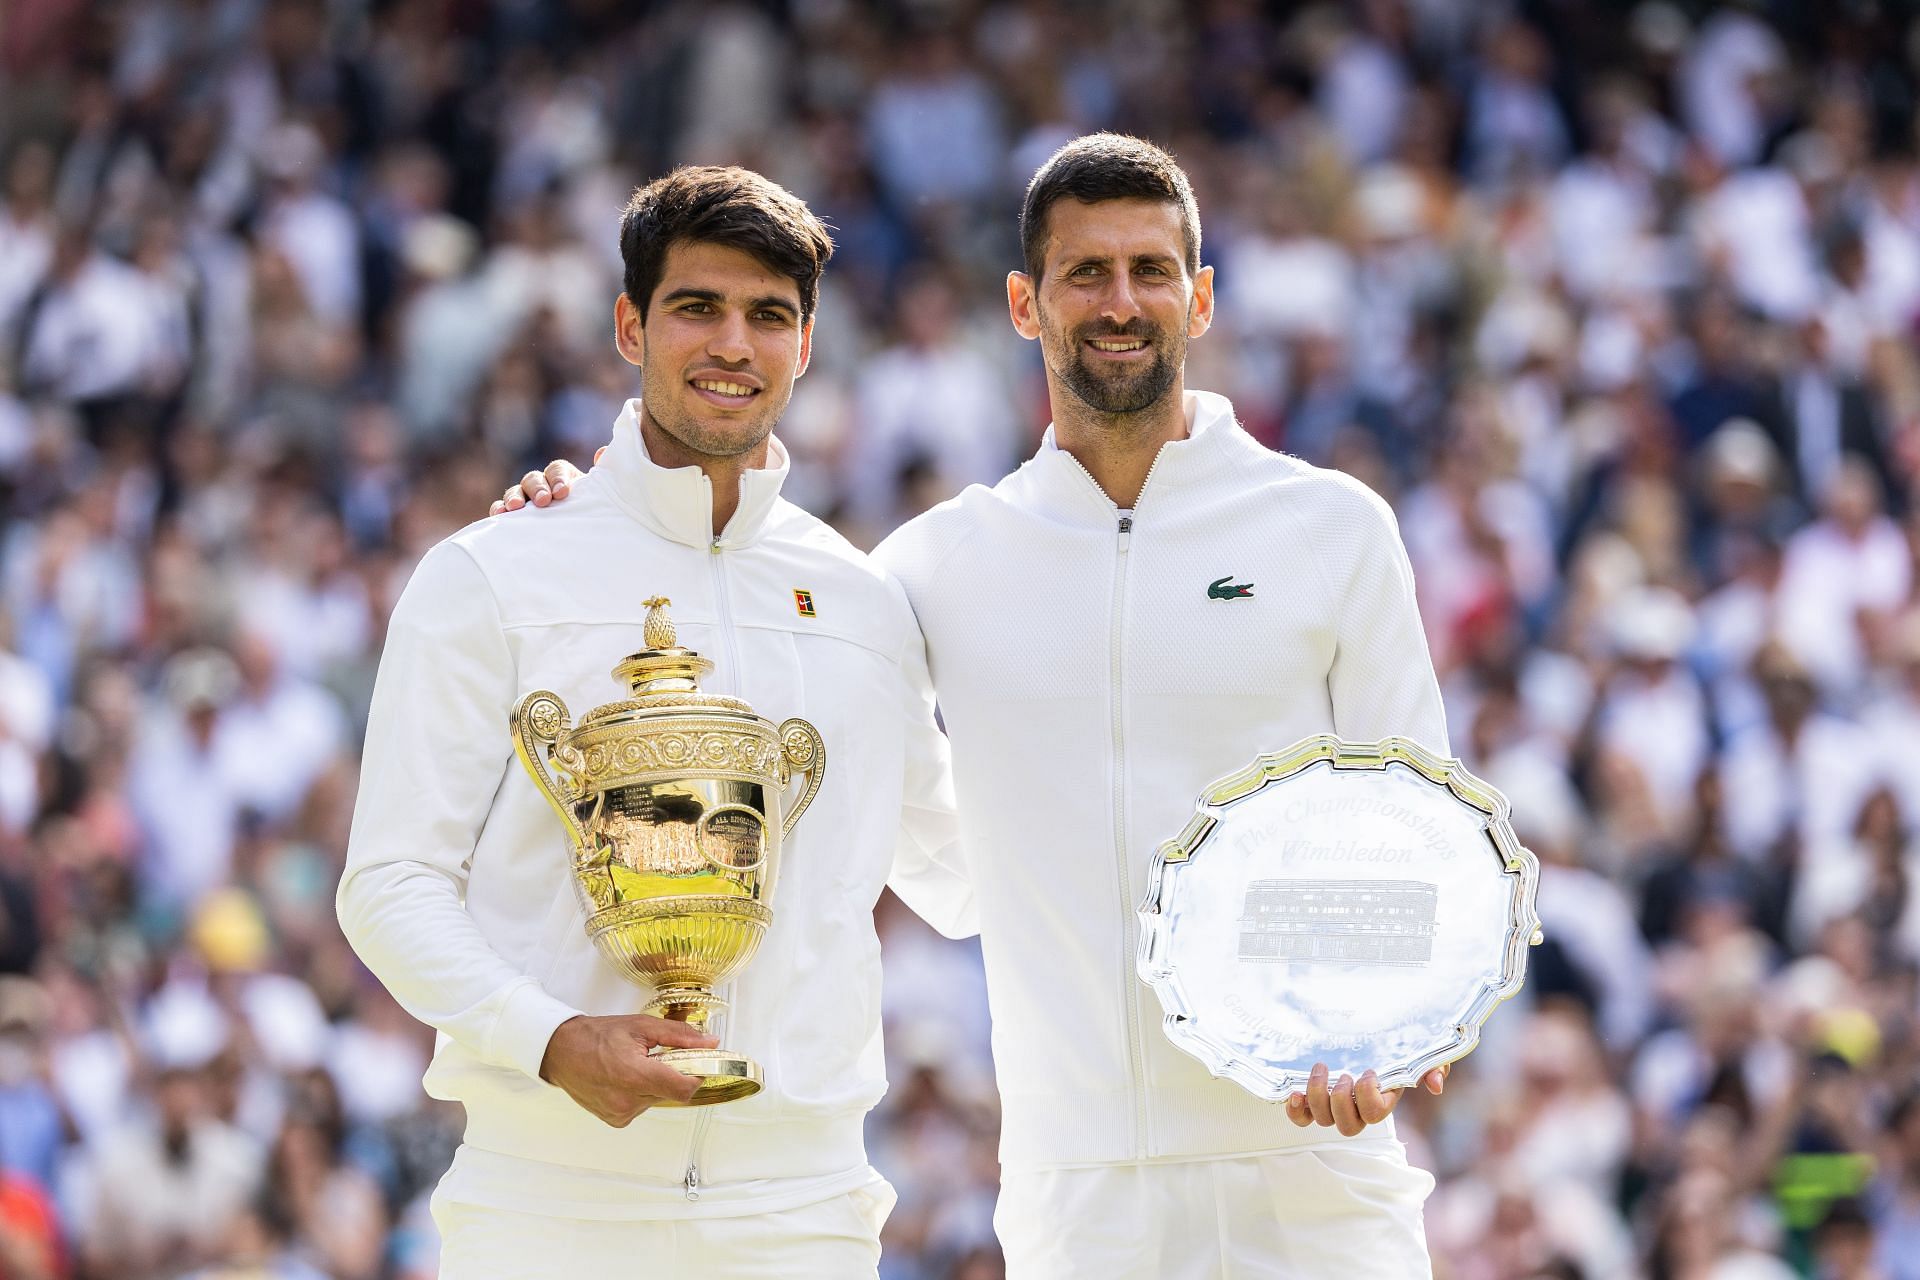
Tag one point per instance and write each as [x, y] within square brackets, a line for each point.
[1117, 449]
[724, 472]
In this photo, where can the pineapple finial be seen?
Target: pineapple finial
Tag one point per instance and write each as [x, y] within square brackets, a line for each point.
[658, 626]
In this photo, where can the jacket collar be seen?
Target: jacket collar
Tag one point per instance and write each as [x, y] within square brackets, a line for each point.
[677, 502]
[1213, 437]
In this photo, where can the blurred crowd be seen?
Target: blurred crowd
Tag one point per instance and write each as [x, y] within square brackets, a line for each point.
[1616, 302]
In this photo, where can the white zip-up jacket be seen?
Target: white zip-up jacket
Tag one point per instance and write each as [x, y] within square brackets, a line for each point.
[457, 891]
[1097, 669]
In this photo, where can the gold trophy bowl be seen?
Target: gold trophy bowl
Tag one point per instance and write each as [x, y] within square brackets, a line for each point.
[674, 802]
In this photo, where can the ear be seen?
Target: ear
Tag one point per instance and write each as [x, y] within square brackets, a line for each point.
[806, 347]
[1023, 305]
[1200, 314]
[628, 333]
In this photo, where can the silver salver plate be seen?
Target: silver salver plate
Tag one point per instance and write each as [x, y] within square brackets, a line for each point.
[1361, 904]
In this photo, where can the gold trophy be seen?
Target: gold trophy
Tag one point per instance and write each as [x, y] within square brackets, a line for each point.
[673, 800]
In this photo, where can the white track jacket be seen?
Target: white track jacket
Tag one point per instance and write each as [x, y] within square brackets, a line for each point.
[457, 890]
[1097, 669]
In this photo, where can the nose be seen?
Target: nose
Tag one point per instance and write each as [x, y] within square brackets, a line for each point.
[730, 341]
[1118, 303]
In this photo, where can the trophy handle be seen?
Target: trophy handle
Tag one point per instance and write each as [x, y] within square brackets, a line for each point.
[802, 748]
[539, 722]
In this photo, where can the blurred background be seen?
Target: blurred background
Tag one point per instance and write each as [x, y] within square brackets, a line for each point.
[1615, 302]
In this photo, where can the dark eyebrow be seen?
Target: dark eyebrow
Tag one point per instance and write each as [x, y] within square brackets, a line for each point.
[691, 295]
[1091, 260]
[1137, 260]
[714, 296]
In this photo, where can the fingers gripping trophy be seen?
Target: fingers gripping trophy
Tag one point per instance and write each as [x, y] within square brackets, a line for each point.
[675, 805]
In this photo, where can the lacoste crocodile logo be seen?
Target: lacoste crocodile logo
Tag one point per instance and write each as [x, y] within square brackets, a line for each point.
[1227, 589]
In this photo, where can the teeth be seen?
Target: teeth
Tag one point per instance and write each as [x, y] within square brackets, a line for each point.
[724, 388]
[1119, 346]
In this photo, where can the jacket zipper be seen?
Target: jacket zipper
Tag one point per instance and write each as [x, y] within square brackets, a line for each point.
[701, 1121]
[1136, 1053]
[731, 672]
[1136, 1062]
[730, 647]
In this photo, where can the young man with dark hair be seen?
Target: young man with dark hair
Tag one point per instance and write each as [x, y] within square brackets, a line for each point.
[735, 208]
[1105, 685]
[457, 891]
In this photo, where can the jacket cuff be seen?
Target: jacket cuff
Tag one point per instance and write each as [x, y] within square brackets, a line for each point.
[526, 1023]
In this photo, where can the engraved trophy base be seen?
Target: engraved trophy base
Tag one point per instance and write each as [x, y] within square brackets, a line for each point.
[723, 1076]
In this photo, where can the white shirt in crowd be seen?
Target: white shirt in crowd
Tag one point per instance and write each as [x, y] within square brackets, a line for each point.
[1715, 84]
[318, 234]
[1813, 788]
[1659, 724]
[1827, 580]
[947, 404]
[110, 330]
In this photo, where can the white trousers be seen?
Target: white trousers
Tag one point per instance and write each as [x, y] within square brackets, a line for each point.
[1351, 1212]
[837, 1239]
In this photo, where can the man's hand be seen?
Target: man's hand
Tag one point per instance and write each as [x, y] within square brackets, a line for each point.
[603, 1064]
[1351, 1106]
[541, 488]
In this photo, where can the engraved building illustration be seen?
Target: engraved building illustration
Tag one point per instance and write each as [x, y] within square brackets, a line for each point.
[1386, 922]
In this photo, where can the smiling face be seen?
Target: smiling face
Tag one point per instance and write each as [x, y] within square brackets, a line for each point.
[1113, 304]
[721, 345]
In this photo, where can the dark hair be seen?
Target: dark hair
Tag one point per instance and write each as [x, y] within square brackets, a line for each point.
[1106, 166]
[729, 206]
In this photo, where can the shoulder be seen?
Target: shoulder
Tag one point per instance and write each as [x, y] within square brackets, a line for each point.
[446, 593]
[1332, 504]
[920, 548]
[504, 543]
[474, 570]
[1346, 499]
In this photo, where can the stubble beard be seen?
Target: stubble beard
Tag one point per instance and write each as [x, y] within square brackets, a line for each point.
[1113, 395]
[673, 419]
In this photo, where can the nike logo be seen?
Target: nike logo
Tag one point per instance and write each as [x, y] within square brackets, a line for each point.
[1227, 589]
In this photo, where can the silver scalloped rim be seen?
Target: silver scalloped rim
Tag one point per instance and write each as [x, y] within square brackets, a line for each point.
[1523, 923]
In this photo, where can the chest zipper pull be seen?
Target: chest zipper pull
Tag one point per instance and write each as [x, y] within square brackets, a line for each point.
[693, 1182]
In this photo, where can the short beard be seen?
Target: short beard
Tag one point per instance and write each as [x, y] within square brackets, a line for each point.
[695, 436]
[1109, 395]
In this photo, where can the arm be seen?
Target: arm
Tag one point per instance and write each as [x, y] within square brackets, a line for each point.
[1382, 682]
[929, 872]
[1381, 685]
[436, 752]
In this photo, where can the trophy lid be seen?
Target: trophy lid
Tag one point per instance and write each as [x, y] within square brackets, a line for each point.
[664, 675]
[664, 666]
